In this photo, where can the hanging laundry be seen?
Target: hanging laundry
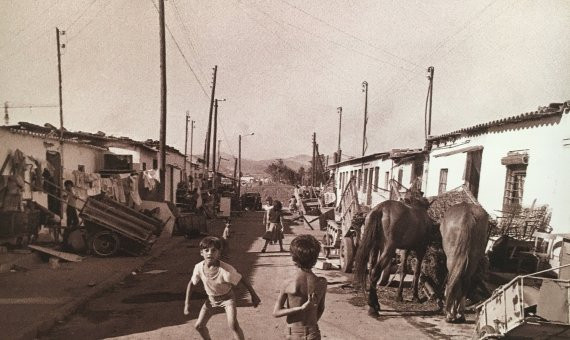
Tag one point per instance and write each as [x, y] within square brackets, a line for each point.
[151, 178]
[107, 187]
[134, 186]
[119, 190]
[94, 184]
[79, 179]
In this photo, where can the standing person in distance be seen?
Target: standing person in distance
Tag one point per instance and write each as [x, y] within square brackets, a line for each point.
[274, 230]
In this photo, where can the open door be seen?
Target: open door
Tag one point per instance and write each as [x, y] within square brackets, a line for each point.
[473, 171]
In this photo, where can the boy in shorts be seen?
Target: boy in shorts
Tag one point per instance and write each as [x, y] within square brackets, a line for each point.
[219, 279]
[302, 298]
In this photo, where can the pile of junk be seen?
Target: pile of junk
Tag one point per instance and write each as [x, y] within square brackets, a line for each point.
[81, 213]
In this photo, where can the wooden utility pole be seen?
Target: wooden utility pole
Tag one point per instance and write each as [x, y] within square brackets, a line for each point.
[339, 110]
[191, 145]
[314, 164]
[214, 141]
[430, 93]
[57, 33]
[209, 133]
[186, 148]
[162, 142]
[365, 90]
[235, 170]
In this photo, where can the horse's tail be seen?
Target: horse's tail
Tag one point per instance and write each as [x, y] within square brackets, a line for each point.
[457, 282]
[369, 241]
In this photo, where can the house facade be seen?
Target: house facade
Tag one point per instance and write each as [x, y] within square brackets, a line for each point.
[520, 161]
[374, 174]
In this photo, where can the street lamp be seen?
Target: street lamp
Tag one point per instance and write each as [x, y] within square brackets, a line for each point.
[239, 168]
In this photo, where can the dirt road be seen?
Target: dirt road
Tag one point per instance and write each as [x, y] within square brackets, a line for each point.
[149, 305]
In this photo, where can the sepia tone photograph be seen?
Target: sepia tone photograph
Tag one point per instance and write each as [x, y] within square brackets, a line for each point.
[284, 169]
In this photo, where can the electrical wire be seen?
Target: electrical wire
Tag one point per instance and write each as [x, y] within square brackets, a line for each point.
[350, 35]
[187, 36]
[334, 42]
[72, 37]
[183, 56]
[81, 15]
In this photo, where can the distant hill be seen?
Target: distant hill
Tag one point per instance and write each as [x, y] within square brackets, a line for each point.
[252, 167]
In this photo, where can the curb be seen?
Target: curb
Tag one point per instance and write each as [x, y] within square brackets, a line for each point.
[62, 312]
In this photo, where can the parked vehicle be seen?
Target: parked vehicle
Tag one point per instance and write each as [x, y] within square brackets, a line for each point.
[251, 201]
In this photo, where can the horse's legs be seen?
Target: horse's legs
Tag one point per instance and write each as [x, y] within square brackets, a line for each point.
[402, 270]
[383, 261]
[417, 271]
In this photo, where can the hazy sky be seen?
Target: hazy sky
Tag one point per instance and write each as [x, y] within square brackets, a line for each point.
[284, 67]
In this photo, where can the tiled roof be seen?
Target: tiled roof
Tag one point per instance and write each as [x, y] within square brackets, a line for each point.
[543, 111]
[393, 154]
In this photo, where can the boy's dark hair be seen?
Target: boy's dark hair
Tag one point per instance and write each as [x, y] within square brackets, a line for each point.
[211, 242]
[68, 183]
[305, 250]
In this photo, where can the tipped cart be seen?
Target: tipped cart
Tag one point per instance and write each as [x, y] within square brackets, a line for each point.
[112, 226]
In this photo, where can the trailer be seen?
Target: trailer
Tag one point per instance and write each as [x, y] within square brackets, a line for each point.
[340, 235]
[532, 306]
[112, 226]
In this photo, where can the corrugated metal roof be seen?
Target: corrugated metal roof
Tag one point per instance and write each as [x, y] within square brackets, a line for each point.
[392, 154]
[542, 112]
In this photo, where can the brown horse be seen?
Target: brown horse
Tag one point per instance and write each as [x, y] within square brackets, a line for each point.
[464, 236]
[389, 226]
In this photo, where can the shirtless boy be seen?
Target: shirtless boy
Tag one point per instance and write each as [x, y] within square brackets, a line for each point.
[302, 298]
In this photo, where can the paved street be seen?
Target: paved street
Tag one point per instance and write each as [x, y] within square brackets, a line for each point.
[149, 305]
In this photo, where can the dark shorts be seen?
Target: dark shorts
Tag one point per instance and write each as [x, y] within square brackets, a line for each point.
[303, 333]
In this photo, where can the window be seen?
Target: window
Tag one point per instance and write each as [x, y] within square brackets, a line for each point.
[514, 186]
[144, 166]
[359, 178]
[400, 176]
[376, 174]
[442, 181]
[364, 183]
[386, 180]
[81, 168]
[155, 163]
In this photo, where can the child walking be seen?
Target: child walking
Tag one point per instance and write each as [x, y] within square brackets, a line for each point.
[219, 279]
[304, 294]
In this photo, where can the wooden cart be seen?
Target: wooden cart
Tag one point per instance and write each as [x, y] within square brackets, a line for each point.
[112, 226]
[340, 235]
[528, 307]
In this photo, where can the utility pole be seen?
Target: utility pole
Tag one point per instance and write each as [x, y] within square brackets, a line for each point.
[57, 33]
[216, 101]
[235, 169]
[186, 148]
[162, 142]
[365, 90]
[191, 145]
[339, 110]
[429, 99]
[314, 165]
[208, 134]
[239, 167]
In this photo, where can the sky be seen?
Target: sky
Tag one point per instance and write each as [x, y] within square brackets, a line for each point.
[284, 66]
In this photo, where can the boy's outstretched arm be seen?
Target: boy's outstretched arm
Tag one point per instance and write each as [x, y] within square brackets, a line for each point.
[187, 299]
[255, 300]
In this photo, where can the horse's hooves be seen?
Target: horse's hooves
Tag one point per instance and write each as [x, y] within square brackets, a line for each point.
[373, 313]
[460, 319]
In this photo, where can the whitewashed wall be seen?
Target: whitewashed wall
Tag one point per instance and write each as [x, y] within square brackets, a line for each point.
[73, 155]
[547, 178]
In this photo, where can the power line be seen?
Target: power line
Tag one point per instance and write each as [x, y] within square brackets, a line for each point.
[187, 36]
[316, 61]
[334, 42]
[90, 21]
[183, 56]
[350, 35]
[81, 15]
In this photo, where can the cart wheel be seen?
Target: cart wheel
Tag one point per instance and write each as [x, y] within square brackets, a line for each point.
[346, 254]
[488, 332]
[104, 243]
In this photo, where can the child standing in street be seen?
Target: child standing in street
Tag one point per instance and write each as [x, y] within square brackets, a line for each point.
[302, 298]
[219, 279]
[226, 239]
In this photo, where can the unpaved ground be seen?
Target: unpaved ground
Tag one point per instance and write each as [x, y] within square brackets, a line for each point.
[149, 305]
